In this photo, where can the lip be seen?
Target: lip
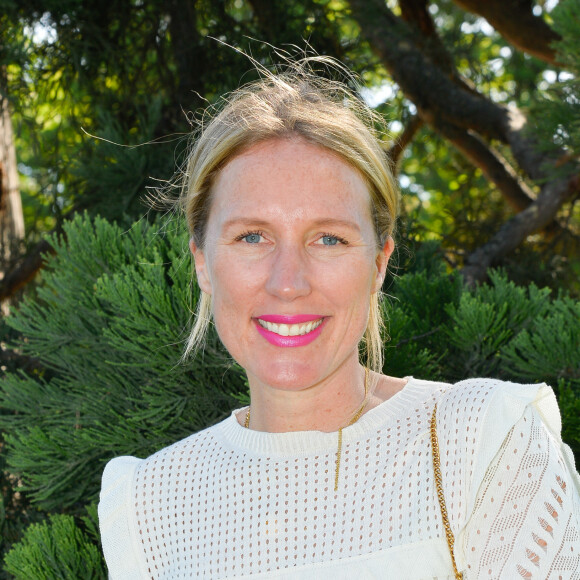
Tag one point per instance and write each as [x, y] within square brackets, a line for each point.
[290, 318]
[290, 341]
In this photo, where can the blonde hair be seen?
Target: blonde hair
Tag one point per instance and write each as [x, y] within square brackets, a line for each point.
[294, 103]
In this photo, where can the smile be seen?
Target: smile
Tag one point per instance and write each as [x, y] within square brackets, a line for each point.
[290, 329]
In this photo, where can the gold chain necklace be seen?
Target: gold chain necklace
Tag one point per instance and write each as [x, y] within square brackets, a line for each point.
[356, 417]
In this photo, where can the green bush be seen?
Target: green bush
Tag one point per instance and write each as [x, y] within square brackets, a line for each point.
[58, 549]
[106, 328]
[106, 324]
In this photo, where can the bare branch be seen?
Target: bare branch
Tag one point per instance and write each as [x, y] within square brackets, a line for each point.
[441, 103]
[416, 11]
[435, 94]
[417, 15]
[431, 89]
[190, 58]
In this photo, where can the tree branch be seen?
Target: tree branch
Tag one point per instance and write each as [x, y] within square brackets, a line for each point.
[492, 164]
[25, 271]
[514, 231]
[437, 97]
[189, 56]
[403, 140]
[515, 21]
[417, 15]
[431, 89]
[442, 102]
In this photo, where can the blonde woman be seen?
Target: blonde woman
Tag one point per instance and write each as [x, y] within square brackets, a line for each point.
[335, 470]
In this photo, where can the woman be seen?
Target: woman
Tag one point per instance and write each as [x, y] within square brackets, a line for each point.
[329, 472]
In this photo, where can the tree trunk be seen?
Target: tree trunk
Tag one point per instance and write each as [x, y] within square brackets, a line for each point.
[11, 217]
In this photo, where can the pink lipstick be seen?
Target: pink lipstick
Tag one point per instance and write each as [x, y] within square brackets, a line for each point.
[290, 319]
[290, 330]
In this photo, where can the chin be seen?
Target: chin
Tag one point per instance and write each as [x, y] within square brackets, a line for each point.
[287, 376]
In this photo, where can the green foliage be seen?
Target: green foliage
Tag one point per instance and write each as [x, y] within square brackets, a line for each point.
[105, 324]
[569, 401]
[558, 113]
[555, 120]
[58, 549]
[416, 320]
[488, 319]
[550, 346]
[133, 73]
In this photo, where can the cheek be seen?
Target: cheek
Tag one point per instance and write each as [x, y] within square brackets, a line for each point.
[235, 286]
[353, 277]
[348, 288]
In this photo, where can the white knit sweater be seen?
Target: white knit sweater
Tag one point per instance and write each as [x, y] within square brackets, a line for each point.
[232, 502]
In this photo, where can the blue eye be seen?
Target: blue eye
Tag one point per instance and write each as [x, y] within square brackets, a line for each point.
[329, 240]
[252, 238]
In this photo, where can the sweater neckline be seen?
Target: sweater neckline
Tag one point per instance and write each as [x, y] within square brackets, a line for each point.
[299, 443]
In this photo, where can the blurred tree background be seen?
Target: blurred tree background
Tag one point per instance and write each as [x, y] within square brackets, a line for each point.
[482, 104]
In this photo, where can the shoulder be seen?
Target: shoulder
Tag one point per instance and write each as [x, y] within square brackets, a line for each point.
[483, 403]
[475, 417]
[484, 390]
[127, 469]
[122, 481]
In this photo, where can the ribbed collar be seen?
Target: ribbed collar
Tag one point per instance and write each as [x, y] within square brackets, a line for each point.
[415, 393]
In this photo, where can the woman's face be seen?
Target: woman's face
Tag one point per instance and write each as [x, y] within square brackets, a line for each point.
[290, 260]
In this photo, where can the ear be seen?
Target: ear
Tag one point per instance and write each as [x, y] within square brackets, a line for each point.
[382, 262]
[201, 272]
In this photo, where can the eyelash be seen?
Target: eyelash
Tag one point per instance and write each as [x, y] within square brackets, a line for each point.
[260, 233]
[249, 233]
[340, 239]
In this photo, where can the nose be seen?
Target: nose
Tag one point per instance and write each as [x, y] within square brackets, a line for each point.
[288, 277]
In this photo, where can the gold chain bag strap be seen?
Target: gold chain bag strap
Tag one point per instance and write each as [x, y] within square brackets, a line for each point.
[440, 496]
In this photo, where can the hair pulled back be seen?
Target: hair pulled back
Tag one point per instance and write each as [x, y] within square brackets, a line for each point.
[296, 103]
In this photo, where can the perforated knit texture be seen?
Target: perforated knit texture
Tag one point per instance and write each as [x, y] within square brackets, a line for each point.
[527, 511]
[247, 514]
[230, 502]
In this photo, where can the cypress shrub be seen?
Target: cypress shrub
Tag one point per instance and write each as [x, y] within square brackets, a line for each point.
[107, 324]
[58, 549]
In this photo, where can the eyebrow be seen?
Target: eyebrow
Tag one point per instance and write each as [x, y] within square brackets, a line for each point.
[260, 223]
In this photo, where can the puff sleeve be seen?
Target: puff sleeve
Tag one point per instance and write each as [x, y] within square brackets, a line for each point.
[118, 533]
[521, 517]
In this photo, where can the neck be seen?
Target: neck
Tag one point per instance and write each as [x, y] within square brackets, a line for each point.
[327, 405]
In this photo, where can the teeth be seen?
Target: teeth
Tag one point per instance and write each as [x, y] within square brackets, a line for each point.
[290, 329]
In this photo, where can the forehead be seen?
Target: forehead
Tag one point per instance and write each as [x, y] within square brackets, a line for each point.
[290, 178]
